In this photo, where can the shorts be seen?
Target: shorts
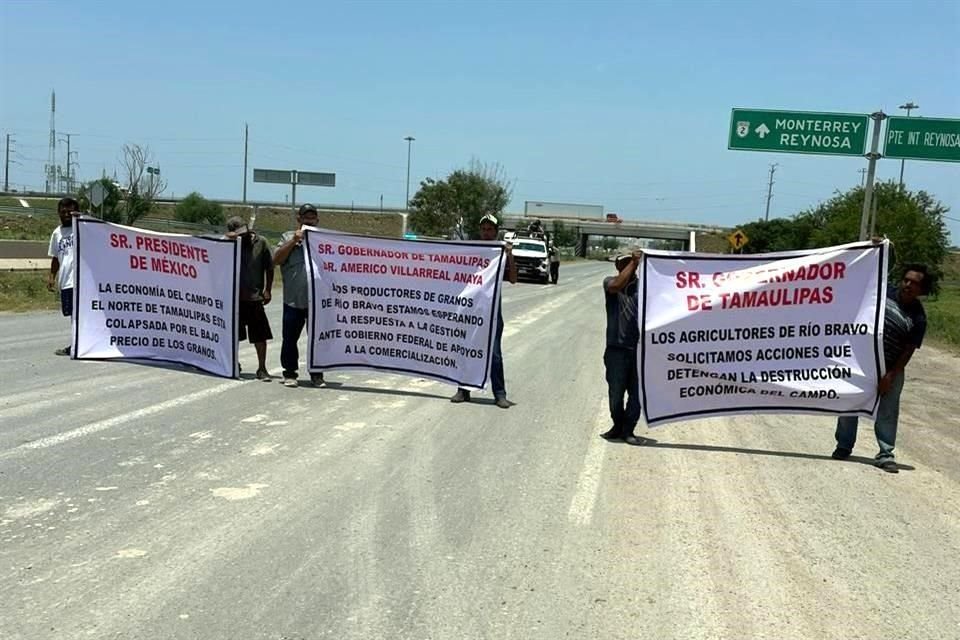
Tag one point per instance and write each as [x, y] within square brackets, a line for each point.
[253, 319]
[66, 301]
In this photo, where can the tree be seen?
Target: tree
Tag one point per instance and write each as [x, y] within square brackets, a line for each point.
[609, 243]
[779, 234]
[195, 208]
[465, 196]
[143, 181]
[562, 236]
[912, 220]
[110, 209]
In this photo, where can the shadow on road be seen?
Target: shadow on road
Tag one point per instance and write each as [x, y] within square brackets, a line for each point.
[386, 392]
[766, 452]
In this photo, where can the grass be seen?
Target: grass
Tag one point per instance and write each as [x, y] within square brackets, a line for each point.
[943, 316]
[26, 291]
[15, 226]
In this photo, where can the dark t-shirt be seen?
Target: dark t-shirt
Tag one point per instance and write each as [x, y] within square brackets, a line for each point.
[903, 325]
[622, 328]
[255, 261]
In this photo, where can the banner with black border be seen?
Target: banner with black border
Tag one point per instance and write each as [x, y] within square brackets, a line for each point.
[792, 332]
[167, 297]
[424, 308]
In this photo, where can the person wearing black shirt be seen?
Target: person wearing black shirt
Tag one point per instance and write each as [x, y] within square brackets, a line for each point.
[620, 356]
[904, 325]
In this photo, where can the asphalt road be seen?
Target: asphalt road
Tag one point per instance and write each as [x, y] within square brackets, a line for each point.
[152, 502]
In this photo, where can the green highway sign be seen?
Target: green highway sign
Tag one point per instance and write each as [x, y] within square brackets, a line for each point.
[837, 134]
[922, 139]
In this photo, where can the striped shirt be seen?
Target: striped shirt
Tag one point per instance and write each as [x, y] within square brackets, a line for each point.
[903, 326]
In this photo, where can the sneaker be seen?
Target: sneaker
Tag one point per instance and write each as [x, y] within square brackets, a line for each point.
[840, 453]
[63, 352]
[612, 434]
[317, 379]
[263, 374]
[290, 382]
[636, 441]
[503, 403]
[889, 465]
[462, 395]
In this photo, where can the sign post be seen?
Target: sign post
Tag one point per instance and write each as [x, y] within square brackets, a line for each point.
[843, 134]
[293, 178]
[97, 195]
[874, 155]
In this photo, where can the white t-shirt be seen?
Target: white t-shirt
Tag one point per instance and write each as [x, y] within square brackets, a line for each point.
[61, 248]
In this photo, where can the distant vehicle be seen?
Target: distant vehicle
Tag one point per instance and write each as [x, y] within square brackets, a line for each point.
[531, 255]
[612, 217]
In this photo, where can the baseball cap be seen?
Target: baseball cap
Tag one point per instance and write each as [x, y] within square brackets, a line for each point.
[492, 219]
[237, 225]
[306, 208]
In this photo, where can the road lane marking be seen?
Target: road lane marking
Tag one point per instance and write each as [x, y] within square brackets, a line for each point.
[588, 484]
[102, 425]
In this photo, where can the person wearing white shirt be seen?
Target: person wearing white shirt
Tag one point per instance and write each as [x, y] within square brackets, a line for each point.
[61, 259]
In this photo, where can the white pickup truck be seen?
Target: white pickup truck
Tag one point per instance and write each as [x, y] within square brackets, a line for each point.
[530, 254]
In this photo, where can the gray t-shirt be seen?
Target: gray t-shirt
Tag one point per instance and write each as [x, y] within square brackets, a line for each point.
[294, 272]
[622, 328]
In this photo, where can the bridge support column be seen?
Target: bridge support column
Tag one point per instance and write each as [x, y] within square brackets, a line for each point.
[581, 249]
[692, 242]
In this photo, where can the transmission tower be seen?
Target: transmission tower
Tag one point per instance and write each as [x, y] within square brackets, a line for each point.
[51, 168]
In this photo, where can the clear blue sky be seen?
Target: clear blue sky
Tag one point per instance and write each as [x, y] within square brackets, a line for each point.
[624, 104]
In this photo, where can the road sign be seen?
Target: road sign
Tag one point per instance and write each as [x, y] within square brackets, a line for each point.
[738, 239]
[312, 178]
[922, 139]
[98, 194]
[279, 176]
[842, 134]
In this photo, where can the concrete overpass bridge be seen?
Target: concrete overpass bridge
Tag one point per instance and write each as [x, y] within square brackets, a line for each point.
[647, 230]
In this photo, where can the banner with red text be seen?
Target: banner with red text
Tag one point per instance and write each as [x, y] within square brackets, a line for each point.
[417, 307]
[157, 296]
[797, 332]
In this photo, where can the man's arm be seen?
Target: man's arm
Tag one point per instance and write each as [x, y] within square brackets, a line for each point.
[284, 250]
[887, 381]
[52, 276]
[268, 286]
[623, 278]
[511, 265]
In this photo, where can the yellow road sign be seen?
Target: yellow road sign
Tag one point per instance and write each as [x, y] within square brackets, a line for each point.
[738, 239]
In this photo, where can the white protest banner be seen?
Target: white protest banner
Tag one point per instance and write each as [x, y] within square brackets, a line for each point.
[797, 332]
[416, 307]
[157, 296]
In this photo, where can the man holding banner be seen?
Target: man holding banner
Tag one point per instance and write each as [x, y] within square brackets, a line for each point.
[620, 356]
[489, 230]
[61, 259]
[256, 286]
[904, 325]
[296, 296]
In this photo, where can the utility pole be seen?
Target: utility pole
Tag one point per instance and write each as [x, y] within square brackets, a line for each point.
[863, 176]
[406, 204]
[246, 139]
[909, 107]
[6, 171]
[773, 169]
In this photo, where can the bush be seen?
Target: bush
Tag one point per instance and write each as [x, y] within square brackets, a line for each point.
[195, 208]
